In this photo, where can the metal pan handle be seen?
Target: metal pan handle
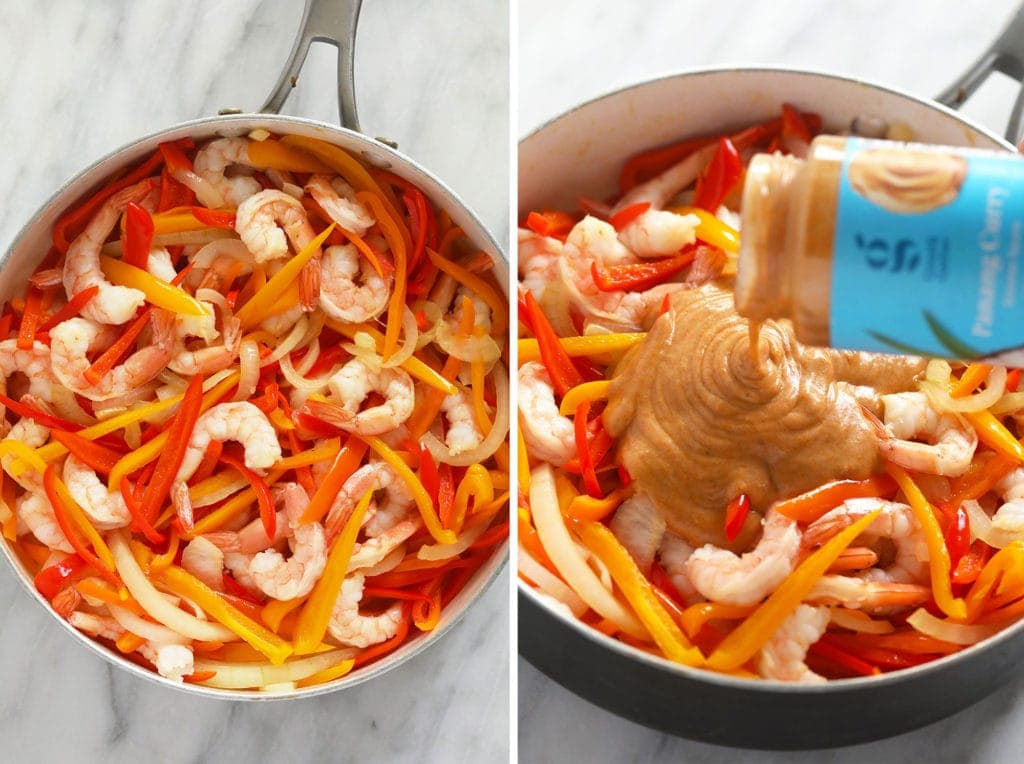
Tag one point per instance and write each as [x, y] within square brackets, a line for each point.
[330, 21]
[1006, 55]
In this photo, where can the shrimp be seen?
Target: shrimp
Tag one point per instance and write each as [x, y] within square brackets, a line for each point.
[35, 511]
[673, 554]
[656, 233]
[35, 363]
[659, 189]
[287, 579]
[349, 627]
[209, 359]
[341, 297]
[252, 538]
[33, 435]
[1009, 516]
[910, 415]
[238, 421]
[215, 157]
[106, 510]
[463, 434]
[337, 199]
[71, 342]
[540, 274]
[640, 528]
[352, 384]
[257, 221]
[112, 304]
[783, 655]
[204, 560]
[376, 476]
[859, 593]
[172, 661]
[722, 576]
[549, 435]
[372, 551]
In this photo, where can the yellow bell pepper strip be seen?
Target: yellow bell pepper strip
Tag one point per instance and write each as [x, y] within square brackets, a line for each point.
[258, 636]
[477, 375]
[594, 344]
[163, 561]
[150, 450]
[312, 624]
[226, 511]
[750, 636]
[391, 227]
[157, 291]
[273, 155]
[637, 590]
[1001, 581]
[274, 611]
[192, 219]
[413, 365]
[711, 230]
[426, 507]
[522, 462]
[938, 553]
[258, 306]
[475, 484]
[588, 391]
[994, 434]
[327, 450]
[73, 520]
[494, 299]
[328, 674]
[584, 507]
[695, 616]
[26, 457]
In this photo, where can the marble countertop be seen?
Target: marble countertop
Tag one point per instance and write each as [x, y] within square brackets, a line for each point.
[81, 79]
[575, 50]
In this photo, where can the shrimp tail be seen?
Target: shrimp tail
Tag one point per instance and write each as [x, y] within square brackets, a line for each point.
[309, 285]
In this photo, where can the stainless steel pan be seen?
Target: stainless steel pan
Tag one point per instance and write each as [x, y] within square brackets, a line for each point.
[334, 22]
[580, 152]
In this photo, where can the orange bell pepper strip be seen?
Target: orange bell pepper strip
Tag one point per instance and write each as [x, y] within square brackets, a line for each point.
[274, 155]
[586, 507]
[555, 223]
[938, 553]
[695, 616]
[109, 358]
[263, 497]
[808, 507]
[392, 228]
[494, 299]
[97, 456]
[347, 461]
[1001, 581]
[745, 640]
[985, 471]
[73, 308]
[973, 376]
[994, 434]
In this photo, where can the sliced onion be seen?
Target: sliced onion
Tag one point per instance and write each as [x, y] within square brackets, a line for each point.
[549, 583]
[292, 190]
[140, 627]
[152, 601]
[936, 386]
[982, 528]
[300, 382]
[571, 565]
[213, 297]
[477, 347]
[364, 347]
[494, 438]
[133, 435]
[239, 676]
[67, 406]
[221, 493]
[411, 332]
[249, 364]
[310, 358]
[433, 313]
[390, 562]
[1010, 403]
[462, 543]
[210, 253]
[855, 620]
[289, 343]
[205, 192]
[957, 633]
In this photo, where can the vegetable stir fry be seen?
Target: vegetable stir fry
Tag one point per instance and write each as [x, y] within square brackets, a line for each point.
[256, 413]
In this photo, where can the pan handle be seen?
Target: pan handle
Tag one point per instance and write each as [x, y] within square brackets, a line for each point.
[1006, 55]
[330, 21]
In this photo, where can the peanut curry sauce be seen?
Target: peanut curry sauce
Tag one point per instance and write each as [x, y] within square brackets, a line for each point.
[701, 416]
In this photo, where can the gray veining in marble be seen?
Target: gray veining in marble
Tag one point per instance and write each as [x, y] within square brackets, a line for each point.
[572, 51]
[82, 78]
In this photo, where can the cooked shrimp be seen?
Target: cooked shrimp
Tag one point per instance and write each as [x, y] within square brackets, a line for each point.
[241, 422]
[549, 435]
[71, 342]
[209, 359]
[859, 593]
[33, 435]
[463, 434]
[640, 528]
[106, 510]
[708, 263]
[783, 655]
[295, 577]
[352, 384]
[338, 200]
[368, 553]
[349, 627]
[34, 363]
[910, 415]
[673, 554]
[722, 576]
[656, 233]
[1009, 516]
[376, 476]
[204, 560]
[35, 511]
[257, 222]
[341, 297]
[112, 304]
[172, 661]
[215, 157]
[659, 189]
[250, 539]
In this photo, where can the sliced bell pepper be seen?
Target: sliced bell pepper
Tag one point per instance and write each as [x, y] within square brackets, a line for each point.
[1013, 380]
[583, 452]
[736, 515]
[711, 230]
[828, 650]
[95, 455]
[494, 299]
[695, 616]
[564, 375]
[430, 519]
[446, 495]
[554, 223]
[138, 235]
[396, 235]
[70, 310]
[994, 434]
[30, 318]
[263, 496]
[215, 218]
[274, 155]
[722, 174]
[38, 415]
[972, 563]
[627, 215]
[158, 292]
[586, 507]
[110, 357]
[420, 221]
[973, 376]
[793, 124]
[808, 507]
[986, 470]
[345, 463]
[745, 640]
[173, 193]
[1001, 582]
[477, 485]
[378, 651]
[958, 537]
[639, 276]
[597, 344]
[51, 579]
[174, 156]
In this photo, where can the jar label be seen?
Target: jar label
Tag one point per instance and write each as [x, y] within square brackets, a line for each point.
[927, 251]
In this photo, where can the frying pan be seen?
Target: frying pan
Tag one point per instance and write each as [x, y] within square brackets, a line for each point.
[330, 21]
[580, 152]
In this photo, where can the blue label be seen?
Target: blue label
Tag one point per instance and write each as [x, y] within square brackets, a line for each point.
[927, 251]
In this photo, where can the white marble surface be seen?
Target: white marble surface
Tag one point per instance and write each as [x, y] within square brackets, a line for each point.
[572, 51]
[80, 79]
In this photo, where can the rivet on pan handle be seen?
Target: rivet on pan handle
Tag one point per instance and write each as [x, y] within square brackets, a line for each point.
[1006, 55]
[330, 21]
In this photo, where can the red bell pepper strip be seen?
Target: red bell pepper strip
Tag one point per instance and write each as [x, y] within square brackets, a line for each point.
[134, 503]
[793, 124]
[109, 358]
[379, 650]
[429, 475]
[971, 564]
[172, 154]
[99, 457]
[420, 217]
[446, 494]
[263, 496]
[67, 526]
[736, 515]
[51, 579]
[720, 177]
[624, 217]
[73, 308]
[392, 593]
[138, 235]
[215, 218]
[209, 462]
[30, 318]
[583, 450]
[647, 164]
[958, 536]
[1013, 380]
[178, 435]
[559, 365]
[554, 223]
[660, 580]
[235, 589]
[173, 193]
[638, 276]
[38, 416]
[830, 651]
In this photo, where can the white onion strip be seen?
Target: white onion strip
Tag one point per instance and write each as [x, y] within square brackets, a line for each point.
[936, 386]
[957, 633]
[239, 676]
[494, 438]
[289, 343]
[461, 544]
[249, 364]
[389, 563]
[854, 620]
[210, 253]
[549, 583]
[140, 627]
[153, 602]
[204, 190]
[310, 358]
[411, 332]
[983, 528]
[300, 382]
[571, 565]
